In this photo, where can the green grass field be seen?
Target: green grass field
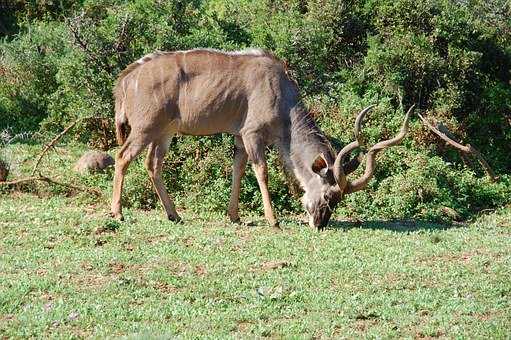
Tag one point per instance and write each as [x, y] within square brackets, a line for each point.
[68, 270]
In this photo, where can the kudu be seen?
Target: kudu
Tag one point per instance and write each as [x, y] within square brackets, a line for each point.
[247, 94]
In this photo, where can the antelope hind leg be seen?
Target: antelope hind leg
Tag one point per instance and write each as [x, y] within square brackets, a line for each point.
[130, 149]
[238, 170]
[154, 163]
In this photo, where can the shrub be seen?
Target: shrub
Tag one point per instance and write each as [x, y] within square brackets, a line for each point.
[59, 61]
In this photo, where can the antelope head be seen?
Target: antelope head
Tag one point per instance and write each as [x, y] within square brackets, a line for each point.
[330, 183]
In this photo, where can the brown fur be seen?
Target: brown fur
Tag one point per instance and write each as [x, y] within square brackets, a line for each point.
[122, 127]
[203, 92]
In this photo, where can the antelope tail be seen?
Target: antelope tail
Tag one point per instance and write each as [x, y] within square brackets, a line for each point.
[122, 127]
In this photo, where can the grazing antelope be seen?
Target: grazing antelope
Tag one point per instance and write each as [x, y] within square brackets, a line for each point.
[247, 94]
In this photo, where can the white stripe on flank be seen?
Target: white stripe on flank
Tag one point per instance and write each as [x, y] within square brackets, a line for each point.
[162, 80]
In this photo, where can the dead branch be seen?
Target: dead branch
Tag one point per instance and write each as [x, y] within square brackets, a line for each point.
[48, 180]
[51, 144]
[464, 149]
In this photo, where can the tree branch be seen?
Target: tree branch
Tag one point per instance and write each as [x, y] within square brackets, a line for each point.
[51, 144]
[465, 149]
[50, 181]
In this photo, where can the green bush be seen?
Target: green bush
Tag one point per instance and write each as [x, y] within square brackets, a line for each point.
[424, 187]
[59, 61]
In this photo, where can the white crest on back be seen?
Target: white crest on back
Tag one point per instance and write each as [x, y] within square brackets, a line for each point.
[248, 52]
[151, 56]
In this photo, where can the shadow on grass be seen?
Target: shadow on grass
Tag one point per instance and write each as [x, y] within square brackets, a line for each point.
[393, 225]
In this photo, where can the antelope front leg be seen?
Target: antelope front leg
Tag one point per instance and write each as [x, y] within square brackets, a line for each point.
[120, 170]
[255, 148]
[261, 172]
[238, 170]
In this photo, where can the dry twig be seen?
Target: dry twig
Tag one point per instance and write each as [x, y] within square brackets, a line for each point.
[464, 149]
[51, 144]
[50, 181]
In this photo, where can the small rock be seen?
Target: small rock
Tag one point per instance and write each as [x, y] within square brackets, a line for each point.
[273, 293]
[93, 161]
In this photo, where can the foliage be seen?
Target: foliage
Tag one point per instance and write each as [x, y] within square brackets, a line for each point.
[59, 60]
[424, 187]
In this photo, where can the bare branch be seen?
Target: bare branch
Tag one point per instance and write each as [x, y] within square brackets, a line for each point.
[50, 181]
[120, 44]
[51, 144]
[464, 149]
[83, 45]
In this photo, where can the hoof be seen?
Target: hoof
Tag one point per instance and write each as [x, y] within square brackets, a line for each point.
[249, 224]
[235, 219]
[117, 216]
[275, 225]
[175, 219]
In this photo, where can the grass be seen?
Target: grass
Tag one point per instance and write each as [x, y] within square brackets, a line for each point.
[67, 270]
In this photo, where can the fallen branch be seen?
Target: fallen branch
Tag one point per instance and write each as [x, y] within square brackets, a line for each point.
[50, 181]
[51, 144]
[464, 149]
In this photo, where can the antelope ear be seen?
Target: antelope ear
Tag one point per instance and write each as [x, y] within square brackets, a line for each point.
[319, 166]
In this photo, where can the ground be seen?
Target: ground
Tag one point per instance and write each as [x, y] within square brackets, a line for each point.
[68, 270]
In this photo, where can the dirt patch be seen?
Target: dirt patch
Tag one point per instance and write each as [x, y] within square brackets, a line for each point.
[86, 266]
[465, 257]
[100, 242]
[243, 326]
[117, 267]
[165, 288]
[435, 335]
[41, 272]
[177, 268]
[157, 238]
[489, 315]
[8, 317]
[91, 281]
[200, 270]
[365, 321]
[188, 241]
[271, 265]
